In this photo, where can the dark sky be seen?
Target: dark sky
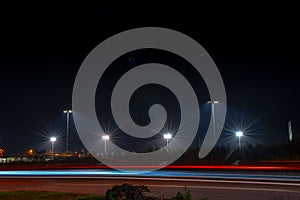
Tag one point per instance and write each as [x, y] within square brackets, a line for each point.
[256, 48]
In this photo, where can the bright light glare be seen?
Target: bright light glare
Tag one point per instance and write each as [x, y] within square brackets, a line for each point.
[239, 133]
[67, 111]
[105, 137]
[53, 139]
[213, 102]
[168, 136]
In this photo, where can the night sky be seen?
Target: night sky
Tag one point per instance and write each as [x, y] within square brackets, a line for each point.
[256, 48]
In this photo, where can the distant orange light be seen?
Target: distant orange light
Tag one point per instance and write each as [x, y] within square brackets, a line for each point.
[30, 152]
[1, 152]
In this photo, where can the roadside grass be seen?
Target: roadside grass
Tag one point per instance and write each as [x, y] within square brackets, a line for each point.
[37, 195]
[46, 195]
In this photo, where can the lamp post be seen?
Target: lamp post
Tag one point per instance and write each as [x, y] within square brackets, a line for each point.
[168, 136]
[239, 134]
[52, 139]
[105, 138]
[67, 136]
[213, 117]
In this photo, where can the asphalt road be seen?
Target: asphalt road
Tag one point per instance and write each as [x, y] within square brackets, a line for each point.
[167, 183]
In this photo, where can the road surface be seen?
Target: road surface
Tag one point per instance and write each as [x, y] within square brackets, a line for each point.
[213, 185]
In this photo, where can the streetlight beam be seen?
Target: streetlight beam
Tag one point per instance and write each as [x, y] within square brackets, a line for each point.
[105, 138]
[239, 134]
[67, 136]
[52, 139]
[213, 116]
[167, 136]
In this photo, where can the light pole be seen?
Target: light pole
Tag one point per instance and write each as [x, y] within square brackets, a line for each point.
[239, 134]
[67, 136]
[213, 117]
[168, 136]
[52, 139]
[105, 138]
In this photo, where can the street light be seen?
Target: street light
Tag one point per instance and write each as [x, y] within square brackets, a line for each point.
[67, 136]
[167, 136]
[52, 139]
[105, 138]
[239, 134]
[213, 116]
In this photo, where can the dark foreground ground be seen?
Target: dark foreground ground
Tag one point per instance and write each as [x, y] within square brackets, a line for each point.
[168, 187]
